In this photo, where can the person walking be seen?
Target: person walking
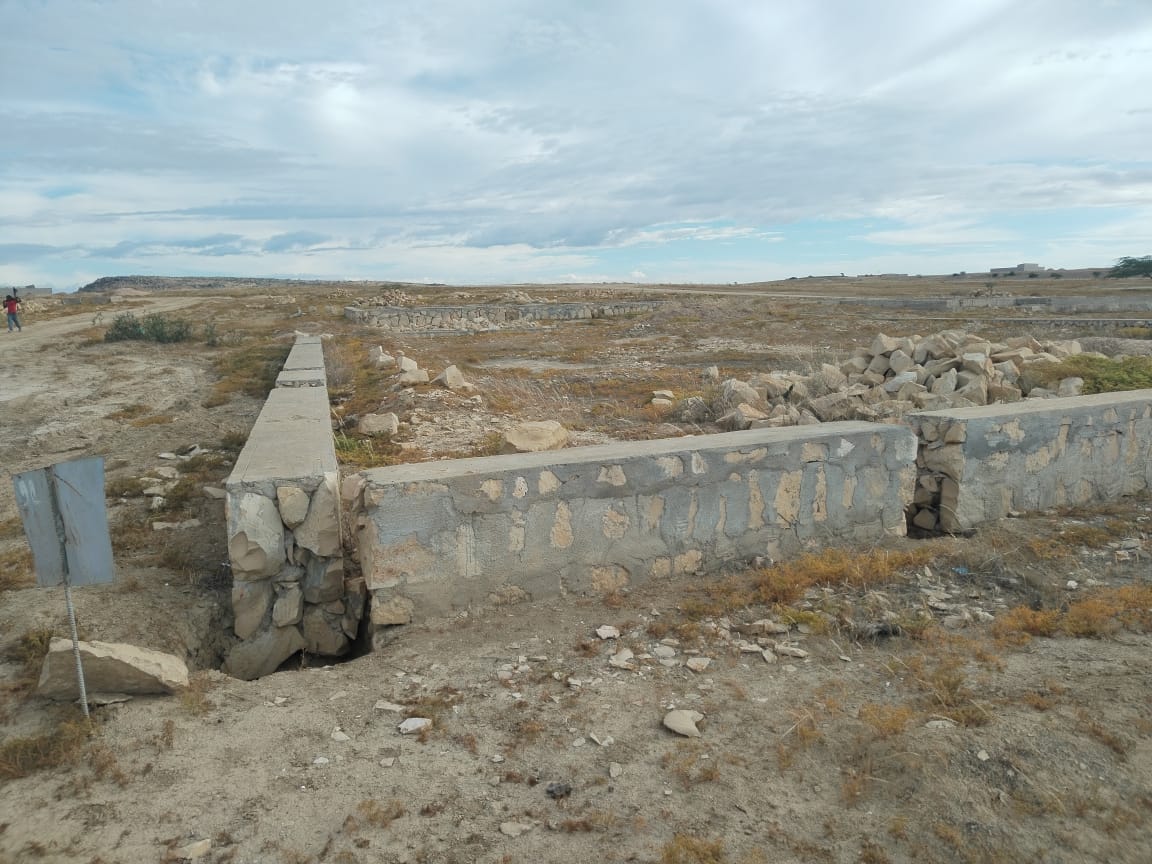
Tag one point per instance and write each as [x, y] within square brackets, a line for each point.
[12, 307]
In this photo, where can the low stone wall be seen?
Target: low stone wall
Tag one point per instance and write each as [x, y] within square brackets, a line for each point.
[305, 364]
[289, 592]
[486, 316]
[979, 464]
[442, 536]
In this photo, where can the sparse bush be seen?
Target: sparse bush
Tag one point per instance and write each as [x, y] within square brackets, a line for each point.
[151, 328]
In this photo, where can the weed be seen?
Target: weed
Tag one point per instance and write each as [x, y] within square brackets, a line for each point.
[689, 764]
[1100, 374]
[1089, 725]
[1018, 625]
[129, 412]
[194, 697]
[871, 853]
[123, 487]
[151, 328]
[105, 765]
[16, 569]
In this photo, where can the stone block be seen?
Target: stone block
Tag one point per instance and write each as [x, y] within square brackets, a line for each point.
[255, 536]
[261, 656]
[289, 607]
[109, 667]
[391, 611]
[320, 531]
[293, 503]
[250, 601]
[534, 436]
[322, 634]
[378, 424]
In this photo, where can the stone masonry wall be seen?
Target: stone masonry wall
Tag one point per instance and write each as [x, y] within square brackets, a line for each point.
[486, 316]
[437, 537]
[978, 464]
[289, 592]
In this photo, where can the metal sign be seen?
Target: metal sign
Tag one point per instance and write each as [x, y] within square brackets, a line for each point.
[64, 516]
[62, 507]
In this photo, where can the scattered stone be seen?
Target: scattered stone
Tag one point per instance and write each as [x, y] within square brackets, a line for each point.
[769, 656]
[615, 769]
[1072, 585]
[453, 379]
[607, 631]
[378, 424]
[983, 756]
[214, 492]
[558, 790]
[514, 829]
[320, 760]
[683, 722]
[941, 723]
[791, 651]
[176, 526]
[387, 761]
[414, 724]
[384, 705]
[698, 664]
[623, 659]
[664, 651]
[195, 850]
[109, 667]
[606, 741]
[340, 735]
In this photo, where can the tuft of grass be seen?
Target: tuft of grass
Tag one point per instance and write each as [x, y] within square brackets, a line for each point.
[686, 849]
[690, 764]
[1017, 626]
[248, 370]
[16, 569]
[885, 721]
[20, 757]
[194, 697]
[380, 815]
[1100, 374]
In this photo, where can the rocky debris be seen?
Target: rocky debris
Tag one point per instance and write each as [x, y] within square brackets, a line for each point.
[534, 436]
[683, 722]
[109, 667]
[698, 664]
[615, 769]
[380, 358]
[264, 653]
[514, 829]
[393, 297]
[623, 659]
[193, 851]
[607, 631]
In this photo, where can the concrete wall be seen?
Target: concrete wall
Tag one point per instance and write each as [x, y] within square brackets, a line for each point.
[486, 316]
[984, 462]
[441, 536]
[289, 591]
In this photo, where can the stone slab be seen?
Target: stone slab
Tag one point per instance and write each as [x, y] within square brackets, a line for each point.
[292, 439]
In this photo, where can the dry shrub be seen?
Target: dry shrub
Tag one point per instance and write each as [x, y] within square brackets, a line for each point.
[63, 745]
[194, 697]
[16, 569]
[685, 849]
[786, 582]
[1017, 626]
[380, 815]
[885, 721]
[1109, 610]
[688, 762]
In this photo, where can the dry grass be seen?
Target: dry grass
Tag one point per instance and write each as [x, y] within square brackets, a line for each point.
[379, 815]
[885, 721]
[1098, 614]
[194, 697]
[250, 370]
[63, 745]
[686, 849]
[16, 568]
[690, 764]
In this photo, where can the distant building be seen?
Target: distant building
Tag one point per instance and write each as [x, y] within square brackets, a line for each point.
[1019, 268]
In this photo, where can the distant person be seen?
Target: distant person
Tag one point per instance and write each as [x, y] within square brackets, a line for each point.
[12, 307]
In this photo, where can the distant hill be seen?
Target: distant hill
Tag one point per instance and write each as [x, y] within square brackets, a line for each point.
[223, 283]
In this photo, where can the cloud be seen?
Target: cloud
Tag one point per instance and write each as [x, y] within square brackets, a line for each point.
[640, 136]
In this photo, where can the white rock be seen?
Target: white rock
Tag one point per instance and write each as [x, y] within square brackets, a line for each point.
[791, 651]
[683, 722]
[623, 659]
[387, 761]
[414, 724]
[385, 705]
[942, 723]
[615, 769]
[293, 503]
[607, 631]
[664, 651]
[1072, 585]
[534, 436]
[378, 424]
[698, 664]
[983, 756]
[256, 536]
[769, 656]
[320, 760]
[340, 735]
[514, 829]
[194, 850]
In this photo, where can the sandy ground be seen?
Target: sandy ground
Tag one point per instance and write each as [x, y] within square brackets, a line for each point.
[540, 749]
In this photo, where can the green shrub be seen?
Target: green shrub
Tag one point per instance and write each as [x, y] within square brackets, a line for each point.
[1102, 375]
[150, 328]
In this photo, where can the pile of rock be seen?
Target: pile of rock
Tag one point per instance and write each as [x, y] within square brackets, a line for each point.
[888, 379]
[394, 297]
[407, 373]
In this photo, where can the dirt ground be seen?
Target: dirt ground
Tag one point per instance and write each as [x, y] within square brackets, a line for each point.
[918, 721]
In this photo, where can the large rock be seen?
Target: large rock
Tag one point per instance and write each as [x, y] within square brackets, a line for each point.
[412, 376]
[289, 608]
[535, 436]
[741, 417]
[322, 636]
[734, 391]
[293, 503]
[453, 379]
[264, 654]
[378, 424]
[320, 531]
[694, 409]
[255, 536]
[395, 610]
[109, 667]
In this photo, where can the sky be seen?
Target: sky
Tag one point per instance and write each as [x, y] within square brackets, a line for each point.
[570, 140]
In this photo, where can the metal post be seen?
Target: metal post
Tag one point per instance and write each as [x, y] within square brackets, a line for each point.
[76, 649]
[60, 532]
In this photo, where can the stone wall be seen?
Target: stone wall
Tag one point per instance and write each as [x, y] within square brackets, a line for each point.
[979, 464]
[441, 536]
[487, 316]
[289, 591]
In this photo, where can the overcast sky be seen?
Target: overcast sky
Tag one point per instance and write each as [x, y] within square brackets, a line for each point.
[561, 140]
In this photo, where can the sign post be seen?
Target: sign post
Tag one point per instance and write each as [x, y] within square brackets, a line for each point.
[65, 520]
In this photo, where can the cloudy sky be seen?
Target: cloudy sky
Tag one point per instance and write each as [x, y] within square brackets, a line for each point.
[561, 140]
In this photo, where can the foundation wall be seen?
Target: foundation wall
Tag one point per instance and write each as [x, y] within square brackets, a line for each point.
[442, 536]
[486, 316]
